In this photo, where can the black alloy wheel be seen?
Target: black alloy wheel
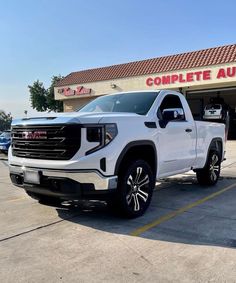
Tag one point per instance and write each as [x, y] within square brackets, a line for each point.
[210, 174]
[135, 188]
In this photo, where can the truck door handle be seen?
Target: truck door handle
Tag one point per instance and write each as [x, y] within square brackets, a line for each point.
[188, 130]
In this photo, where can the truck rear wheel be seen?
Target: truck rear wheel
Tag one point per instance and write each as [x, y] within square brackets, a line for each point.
[209, 175]
[135, 187]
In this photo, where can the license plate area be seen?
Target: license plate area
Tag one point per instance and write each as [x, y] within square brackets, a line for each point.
[32, 177]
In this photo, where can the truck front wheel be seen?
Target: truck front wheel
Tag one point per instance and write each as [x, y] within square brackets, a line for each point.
[209, 175]
[135, 186]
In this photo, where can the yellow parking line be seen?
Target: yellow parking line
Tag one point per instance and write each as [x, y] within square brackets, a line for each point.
[170, 215]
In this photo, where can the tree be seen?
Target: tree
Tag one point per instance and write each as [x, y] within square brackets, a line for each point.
[42, 99]
[54, 105]
[38, 95]
[5, 120]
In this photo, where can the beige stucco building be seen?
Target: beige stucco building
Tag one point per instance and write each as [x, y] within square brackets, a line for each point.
[199, 75]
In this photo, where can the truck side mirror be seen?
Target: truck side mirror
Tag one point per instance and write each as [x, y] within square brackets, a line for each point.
[172, 114]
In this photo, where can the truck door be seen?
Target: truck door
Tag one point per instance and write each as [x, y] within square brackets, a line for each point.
[176, 139]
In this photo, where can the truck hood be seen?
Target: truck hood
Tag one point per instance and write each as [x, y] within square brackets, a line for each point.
[75, 117]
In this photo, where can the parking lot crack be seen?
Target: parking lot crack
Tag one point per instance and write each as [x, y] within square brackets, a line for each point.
[135, 251]
[29, 231]
[37, 228]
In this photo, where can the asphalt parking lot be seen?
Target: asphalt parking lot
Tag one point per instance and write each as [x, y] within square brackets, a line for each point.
[187, 235]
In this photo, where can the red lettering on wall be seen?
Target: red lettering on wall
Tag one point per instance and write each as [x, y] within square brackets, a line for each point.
[78, 89]
[70, 92]
[149, 82]
[231, 72]
[198, 75]
[83, 90]
[189, 77]
[221, 73]
[181, 79]
[206, 75]
[157, 81]
[165, 80]
[174, 78]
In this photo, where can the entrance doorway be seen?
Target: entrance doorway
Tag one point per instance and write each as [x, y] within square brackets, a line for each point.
[224, 98]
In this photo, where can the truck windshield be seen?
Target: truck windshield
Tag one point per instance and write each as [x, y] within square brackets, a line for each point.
[213, 106]
[132, 102]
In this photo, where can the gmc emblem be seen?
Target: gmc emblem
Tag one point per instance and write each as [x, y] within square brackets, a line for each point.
[36, 135]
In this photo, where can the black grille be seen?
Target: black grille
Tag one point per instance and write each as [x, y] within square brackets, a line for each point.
[56, 142]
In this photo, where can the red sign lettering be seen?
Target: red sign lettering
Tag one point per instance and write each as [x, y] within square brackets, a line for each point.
[68, 92]
[221, 74]
[189, 77]
[231, 72]
[149, 82]
[206, 75]
[83, 90]
[174, 78]
[181, 79]
[157, 81]
[71, 92]
[166, 80]
[198, 75]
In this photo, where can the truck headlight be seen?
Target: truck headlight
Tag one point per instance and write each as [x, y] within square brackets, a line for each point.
[110, 132]
[102, 134]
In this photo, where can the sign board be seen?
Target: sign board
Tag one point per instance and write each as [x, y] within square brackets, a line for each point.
[80, 90]
[193, 76]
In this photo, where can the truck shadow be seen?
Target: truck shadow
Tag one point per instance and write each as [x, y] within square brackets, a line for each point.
[209, 223]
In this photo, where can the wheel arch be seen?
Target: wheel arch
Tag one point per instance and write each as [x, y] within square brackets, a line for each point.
[145, 149]
[215, 144]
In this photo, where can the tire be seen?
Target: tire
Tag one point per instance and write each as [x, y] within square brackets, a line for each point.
[209, 175]
[135, 187]
[43, 199]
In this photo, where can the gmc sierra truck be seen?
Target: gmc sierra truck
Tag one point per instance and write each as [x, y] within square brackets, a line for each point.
[114, 149]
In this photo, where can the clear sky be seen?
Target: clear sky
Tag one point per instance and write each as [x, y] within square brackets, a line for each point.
[42, 38]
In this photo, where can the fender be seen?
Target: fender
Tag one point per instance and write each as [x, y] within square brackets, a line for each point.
[213, 141]
[132, 145]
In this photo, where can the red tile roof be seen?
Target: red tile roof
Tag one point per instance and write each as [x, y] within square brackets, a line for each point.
[205, 57]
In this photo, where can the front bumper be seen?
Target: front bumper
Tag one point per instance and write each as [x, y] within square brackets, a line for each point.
[66, 184]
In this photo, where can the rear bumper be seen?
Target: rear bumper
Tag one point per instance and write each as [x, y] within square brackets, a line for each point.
[71, 184]
[212, 117]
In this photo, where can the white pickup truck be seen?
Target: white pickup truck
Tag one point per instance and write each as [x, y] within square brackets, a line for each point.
[114, 149]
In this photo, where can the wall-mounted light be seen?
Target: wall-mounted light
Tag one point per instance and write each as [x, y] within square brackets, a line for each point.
[113, 85]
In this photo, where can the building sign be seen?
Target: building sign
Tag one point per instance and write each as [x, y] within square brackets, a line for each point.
[80, 90]
[188, 77]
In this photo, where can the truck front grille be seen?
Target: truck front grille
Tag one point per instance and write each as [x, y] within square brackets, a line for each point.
[55, 142]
